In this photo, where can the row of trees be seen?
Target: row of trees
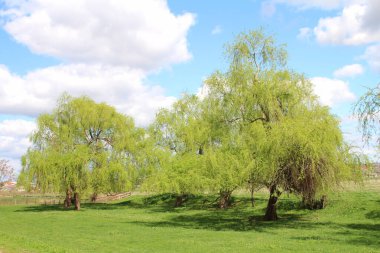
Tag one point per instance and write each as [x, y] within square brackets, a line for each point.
[258, 124]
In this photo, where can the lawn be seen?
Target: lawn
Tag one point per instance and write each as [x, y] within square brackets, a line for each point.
[350, 223]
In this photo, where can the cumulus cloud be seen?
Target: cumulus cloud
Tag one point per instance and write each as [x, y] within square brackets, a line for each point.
[304, 33]
[268, 8]
[372, 55]
[349, 71]
[316, 4]
[121, 87]
[14, 140]
[357, 24]
[331, 91]
[115, 32]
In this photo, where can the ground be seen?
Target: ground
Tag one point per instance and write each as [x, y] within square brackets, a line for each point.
[350, 223]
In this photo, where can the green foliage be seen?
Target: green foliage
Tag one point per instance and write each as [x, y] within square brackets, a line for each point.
[82, 146]
[268, 115]
[307, 155]
[181, 138]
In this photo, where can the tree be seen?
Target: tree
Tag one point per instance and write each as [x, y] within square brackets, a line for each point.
[367, 109]
[180, 136]
[82, 146]
[6, 171]
[285, 131]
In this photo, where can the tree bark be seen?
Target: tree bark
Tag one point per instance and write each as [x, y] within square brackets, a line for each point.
[67, 202]
[77, 201]
[179, 200]
[94, 197]
[252, 197]
[225, 199]
[271, 211]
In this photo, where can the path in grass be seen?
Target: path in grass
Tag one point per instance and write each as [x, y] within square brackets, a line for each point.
[351, 223]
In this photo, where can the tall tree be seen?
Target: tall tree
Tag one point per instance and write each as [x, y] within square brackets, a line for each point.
[82, 146]
[261, 99]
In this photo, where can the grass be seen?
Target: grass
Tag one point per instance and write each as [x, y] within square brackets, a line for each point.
[351, 223]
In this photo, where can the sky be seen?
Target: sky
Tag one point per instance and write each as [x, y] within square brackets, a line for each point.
[141, 55]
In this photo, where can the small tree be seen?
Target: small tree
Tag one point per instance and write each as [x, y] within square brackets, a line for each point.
[367, 109]
[6, 171]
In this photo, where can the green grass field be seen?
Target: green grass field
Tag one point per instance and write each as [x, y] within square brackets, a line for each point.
[350, 223]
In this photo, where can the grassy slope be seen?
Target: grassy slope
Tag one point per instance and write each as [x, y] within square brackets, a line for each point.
[351, 223]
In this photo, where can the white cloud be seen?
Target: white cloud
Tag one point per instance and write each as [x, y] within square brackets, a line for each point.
[331, 91]
[304, 33]
[372, 55]
[316, 4]
[355, 25]
[142, 34]
[216, 30]
[14, 140]
[121, 87]
[268, 8]
[349, 71]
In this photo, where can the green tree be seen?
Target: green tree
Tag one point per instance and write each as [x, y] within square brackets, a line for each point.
[180, 136]
[279, 118]
[82, 146]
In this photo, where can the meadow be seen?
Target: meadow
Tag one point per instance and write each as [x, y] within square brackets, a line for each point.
[350, 223]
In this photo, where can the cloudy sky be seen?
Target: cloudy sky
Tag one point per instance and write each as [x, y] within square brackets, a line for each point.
[140, 55]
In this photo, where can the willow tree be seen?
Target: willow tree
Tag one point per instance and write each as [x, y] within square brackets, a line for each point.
[307, 156]
[81, 146]
[181, 136]
[260, 98]
[367, 109]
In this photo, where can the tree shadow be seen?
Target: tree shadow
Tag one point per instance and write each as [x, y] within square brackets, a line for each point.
[374, 215]
[364, 234]
[57, 207]
[231, 220]
[42, 208]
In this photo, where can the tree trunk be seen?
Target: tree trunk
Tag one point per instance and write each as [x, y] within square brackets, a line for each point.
[225, 199]
[94, 197]
[67, 202]
[77, 201]
[271, 212]
[179, 200]
[252, 197]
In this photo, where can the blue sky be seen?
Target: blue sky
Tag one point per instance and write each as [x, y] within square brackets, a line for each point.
[141, 55]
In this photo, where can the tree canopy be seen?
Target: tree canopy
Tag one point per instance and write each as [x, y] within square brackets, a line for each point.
[82, 146]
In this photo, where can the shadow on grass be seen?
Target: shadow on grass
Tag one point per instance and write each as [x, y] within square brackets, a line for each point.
[374, 215]
[55, 208]
[232, 221]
